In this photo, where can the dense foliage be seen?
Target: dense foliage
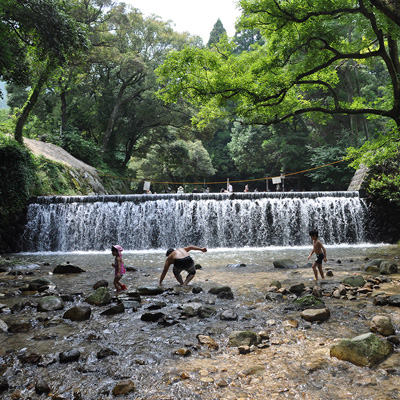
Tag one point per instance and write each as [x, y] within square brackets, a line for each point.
[299, 83]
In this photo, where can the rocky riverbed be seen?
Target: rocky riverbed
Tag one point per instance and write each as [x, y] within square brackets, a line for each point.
[244, 329]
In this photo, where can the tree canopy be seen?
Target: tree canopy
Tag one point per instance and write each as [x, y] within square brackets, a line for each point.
[297, 70]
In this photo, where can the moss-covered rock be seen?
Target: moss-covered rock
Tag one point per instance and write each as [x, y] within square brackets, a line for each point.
[306, 302]
[364, 350]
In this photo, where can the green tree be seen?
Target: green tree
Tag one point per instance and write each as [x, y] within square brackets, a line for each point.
[216, 33]
[296, 71]
[37, 38]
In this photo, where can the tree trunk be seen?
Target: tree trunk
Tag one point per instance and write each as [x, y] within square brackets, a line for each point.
[33, 98]
[63, 112]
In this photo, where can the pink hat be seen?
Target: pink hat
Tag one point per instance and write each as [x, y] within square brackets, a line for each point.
[118, 248]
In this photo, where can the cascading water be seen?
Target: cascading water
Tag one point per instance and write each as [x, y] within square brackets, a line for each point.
[212, 220]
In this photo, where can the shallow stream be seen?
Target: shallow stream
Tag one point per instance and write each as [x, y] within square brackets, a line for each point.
[296, 364]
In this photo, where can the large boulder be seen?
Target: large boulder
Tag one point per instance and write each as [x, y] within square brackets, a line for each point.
[354, 281]
[100, 297]
[285, 263]
[50, 303]
[67, 269]
[78, 313]
[364, 350]
[388, 268]
[373, 266]
[316, 315]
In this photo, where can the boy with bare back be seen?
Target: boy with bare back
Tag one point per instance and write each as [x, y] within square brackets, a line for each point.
[320, 252]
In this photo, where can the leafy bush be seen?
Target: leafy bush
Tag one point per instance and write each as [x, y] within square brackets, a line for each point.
[82, 149]
[382, 158]
[17, 177]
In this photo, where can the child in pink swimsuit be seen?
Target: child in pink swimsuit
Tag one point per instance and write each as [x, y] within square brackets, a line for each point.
[119, 267]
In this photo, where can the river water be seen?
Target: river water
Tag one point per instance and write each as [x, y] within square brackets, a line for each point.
[295, 365]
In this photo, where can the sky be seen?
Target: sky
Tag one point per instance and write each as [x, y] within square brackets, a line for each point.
[194, 16]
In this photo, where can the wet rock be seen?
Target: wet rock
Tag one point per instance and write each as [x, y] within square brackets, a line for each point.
[285, 263]
[219, 289]
[197, 289]
[387, 268]
[31, 358]
[229, 315]
[118, 309]
[394, 339]
[276, 284]
[208, 341]
[381, 300]
[307, 302]
[317, 291]
[354, 281]
[134, 295]
[290, 323]
[50, 303]
[363, 350]
[69, 356]
[275, 297]
[394, 300]
[152, 317]
[78, 313]
[226, 294]
[183, 352]
[297, 289]
[329, 273]
[243, 338]
[131, 305]
[103, 353]
[100, 297]
[316, 315]
[99, 284]
[4, 384]
[156, 306]
[41, 282]
[150, 290]
[373, 266]
[21, 326]
[42, 386]
[257, 369]
[240, 265]
[382, 324]
[123, 387]
[244, 349]
[206, 311]
[3, 326]
[67, 269]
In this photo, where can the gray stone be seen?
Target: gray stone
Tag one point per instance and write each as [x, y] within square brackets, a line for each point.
[206, 311]
[50, 303]
[297, 288]
[69, 356]
[78, 313]
[150, 290]
[229, 315]
[285, 263]
[354, 281]
[118, 309]
[388, 268]
[316, 315]
[243, 338]
[382, 324]
[394, 300]
[67, 269]
[102, 283]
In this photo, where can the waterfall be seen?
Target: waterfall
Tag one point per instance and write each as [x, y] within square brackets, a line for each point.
[82, 223]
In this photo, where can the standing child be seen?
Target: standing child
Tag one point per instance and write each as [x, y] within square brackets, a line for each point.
[118, 266]
[320, 252]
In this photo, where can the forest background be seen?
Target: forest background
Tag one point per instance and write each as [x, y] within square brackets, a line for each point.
[302, 84]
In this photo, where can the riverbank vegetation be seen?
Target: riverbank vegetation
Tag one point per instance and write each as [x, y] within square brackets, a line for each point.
[298, 85]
